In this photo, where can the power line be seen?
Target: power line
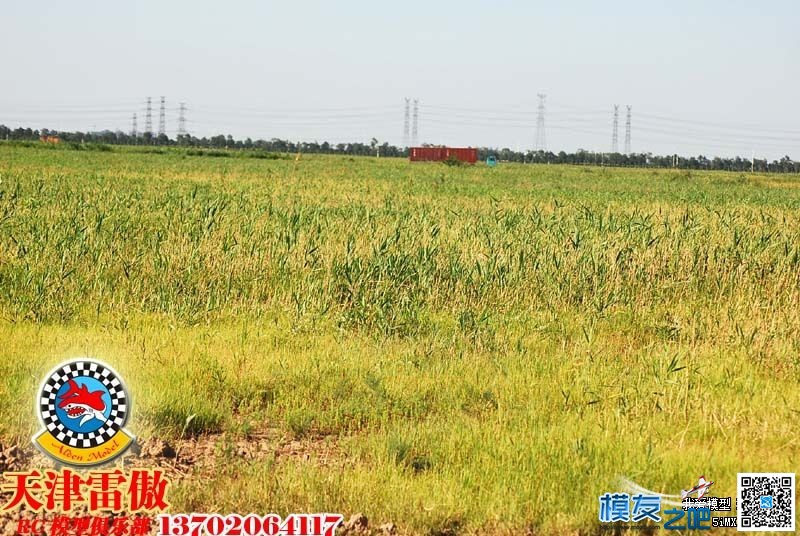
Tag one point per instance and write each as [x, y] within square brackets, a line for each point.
[628, 130]
[667, 128]
[712, 136]
[124, 109]
[672, 135]
[614, 134]
[460, 124]
[120, 106]
[644, 126]
[294, 111]
[121, 112]
[444, 121]
[260, 116]
[724, 126]
[541, 140]
[162, 118]
[517, 110]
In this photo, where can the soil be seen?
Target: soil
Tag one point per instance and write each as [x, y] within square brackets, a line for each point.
[180, 459]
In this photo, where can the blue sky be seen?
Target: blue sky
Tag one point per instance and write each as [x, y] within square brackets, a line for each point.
[713, 78]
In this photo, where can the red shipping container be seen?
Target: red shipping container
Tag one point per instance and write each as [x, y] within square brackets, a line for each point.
[439, 154]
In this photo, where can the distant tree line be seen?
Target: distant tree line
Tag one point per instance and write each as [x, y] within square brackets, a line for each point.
[214, 142]
[375, 148]
[582, 157]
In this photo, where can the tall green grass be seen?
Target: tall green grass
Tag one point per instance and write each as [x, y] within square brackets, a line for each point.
[490, 347]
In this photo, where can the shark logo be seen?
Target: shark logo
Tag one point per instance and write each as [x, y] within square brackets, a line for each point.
[81, 404]
[83, 407]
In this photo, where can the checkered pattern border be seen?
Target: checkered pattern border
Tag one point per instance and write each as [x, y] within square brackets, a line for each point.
[80, 369]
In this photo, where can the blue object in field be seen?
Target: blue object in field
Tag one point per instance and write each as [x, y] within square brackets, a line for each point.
[491, 161]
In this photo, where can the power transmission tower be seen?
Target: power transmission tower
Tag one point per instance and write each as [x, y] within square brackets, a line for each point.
[406, 120]
[614, 133]
[541, 140]
[628, 130]
[182, 120]
[414, 129]
[148, 118]
[162, 118]
[133, 128]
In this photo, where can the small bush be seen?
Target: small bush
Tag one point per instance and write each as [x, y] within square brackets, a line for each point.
[148, 150]
[452, 161]
[265, 155]
[102, 147]
[203, 152]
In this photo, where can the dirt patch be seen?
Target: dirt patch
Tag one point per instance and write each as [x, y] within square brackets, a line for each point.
[20, 458]
[203, 454]
[359, 525]
[179, 459]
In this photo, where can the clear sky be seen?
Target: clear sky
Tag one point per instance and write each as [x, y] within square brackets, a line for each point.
[715, 77]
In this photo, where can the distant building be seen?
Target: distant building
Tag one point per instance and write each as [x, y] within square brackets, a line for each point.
[49, 139]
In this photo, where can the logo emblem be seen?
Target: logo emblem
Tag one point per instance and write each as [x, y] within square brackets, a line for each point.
[83, 407]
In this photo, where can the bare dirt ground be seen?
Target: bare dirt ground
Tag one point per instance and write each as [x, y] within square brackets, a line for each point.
[186, 458]
[196, 457]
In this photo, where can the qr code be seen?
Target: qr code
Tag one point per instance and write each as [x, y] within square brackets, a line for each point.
[766, 501]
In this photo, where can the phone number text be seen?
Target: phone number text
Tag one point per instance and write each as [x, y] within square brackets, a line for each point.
[248, 525]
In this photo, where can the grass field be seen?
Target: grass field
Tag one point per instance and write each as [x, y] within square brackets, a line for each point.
[473, 349]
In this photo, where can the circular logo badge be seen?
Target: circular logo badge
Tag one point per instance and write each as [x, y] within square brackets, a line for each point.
[83, 406]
